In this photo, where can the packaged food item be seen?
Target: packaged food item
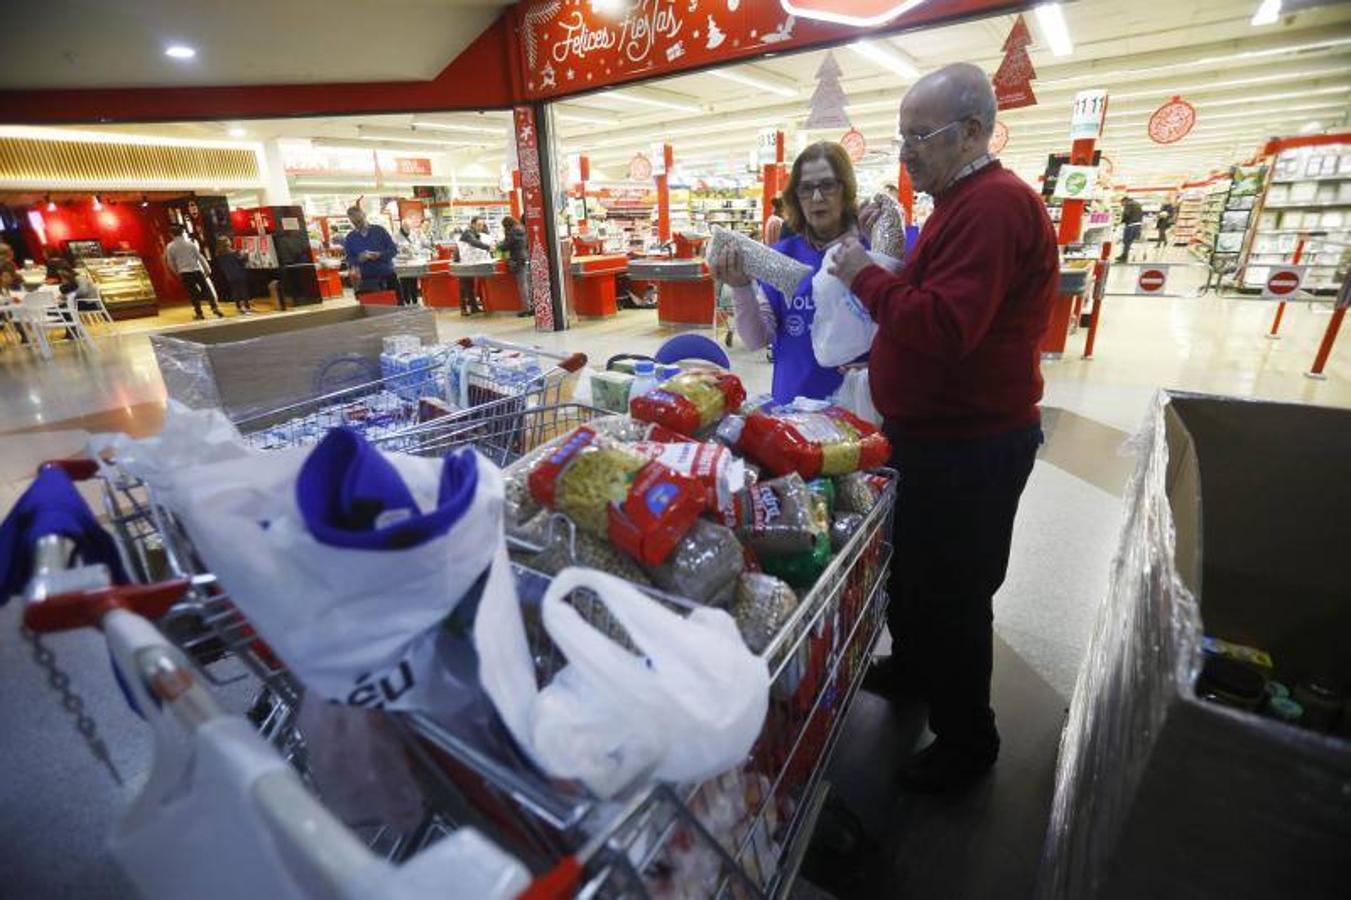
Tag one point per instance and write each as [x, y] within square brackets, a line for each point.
[844, 526]
[854, 493]
[802, 569]
[763, 605]
[825, 489]
[775, 518]
[715, 467]
[565, 547]
[812, 438]
[704, 566]
[643, 506]
[623, 428]
[691, 401]
[610, 390]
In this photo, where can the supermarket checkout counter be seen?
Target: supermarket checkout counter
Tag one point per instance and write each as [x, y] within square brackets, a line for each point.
[594, 284]
[684, 289]
[497, 285]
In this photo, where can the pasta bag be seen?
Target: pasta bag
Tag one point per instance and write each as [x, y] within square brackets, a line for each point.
[691, 401]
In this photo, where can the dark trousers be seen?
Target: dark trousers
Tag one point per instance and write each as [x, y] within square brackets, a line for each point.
[198, 290]
[952, 529]
[1162, 237]
[370, 283]
[468, 302]
[1129, 236]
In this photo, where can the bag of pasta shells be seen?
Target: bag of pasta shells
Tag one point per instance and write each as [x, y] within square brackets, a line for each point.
[690, 402]
[811, 438]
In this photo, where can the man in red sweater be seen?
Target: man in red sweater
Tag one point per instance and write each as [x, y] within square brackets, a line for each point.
[955, 373]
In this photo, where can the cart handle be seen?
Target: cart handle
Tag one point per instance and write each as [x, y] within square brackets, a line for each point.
[86, 609]
[76, 468]
[572, 362]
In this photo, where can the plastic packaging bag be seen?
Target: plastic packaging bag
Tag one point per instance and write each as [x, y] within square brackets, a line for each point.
[687, 710]
[802, 569]
[691, 401]
[855, 493]
[704, 566]
[812, 438]
[855, 395]
[715, 467]
[610, 390]
[765, 263]
[775, 518]
[763, 605]
[566, 545]
[842, 528]
[842, 329]
[644, 507]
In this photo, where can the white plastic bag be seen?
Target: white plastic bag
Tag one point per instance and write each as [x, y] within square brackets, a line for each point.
[687, 710]
[842, 329]
[855, 395]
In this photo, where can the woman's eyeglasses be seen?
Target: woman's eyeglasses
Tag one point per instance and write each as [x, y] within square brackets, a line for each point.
[828, 187]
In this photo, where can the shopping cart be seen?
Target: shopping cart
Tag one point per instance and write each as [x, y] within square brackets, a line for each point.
[460, 381]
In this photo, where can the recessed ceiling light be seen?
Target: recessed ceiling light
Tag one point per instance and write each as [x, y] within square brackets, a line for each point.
[237, 132]
[179, 51]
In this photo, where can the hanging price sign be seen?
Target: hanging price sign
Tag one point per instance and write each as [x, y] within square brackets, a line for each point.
[767, 146]
[1088, 114]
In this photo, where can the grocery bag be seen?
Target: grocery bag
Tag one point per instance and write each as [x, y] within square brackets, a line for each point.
[689, 708]
[842, 329]
[855, 395]
[347, 561]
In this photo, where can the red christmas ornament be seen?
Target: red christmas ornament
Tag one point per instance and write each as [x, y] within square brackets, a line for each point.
[854, 144]
[640, 168]
[1000, 139]
[1172, 122]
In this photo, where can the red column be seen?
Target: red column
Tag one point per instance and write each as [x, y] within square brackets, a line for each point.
[584, 171]
[515, 198]
[664, 196]
[905, 193]
[770, 176]
[532, 202]
[1280, 307]
[1071, 226]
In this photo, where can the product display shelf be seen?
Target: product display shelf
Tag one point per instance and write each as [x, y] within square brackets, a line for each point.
[1191, 210]
[122, 281]
[738, 213]
[1307, 198]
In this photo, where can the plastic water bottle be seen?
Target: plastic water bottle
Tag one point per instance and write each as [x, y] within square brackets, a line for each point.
[644, 378]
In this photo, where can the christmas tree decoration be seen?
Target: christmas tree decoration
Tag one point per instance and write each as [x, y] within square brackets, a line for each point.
[826, 106]
[1012, 80]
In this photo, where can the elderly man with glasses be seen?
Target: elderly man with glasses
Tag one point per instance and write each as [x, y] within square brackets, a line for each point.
[955, 372]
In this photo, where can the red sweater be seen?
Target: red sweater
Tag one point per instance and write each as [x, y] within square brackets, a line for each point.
[957, 351]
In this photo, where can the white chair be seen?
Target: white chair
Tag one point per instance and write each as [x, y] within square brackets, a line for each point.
[44, 310]
[93, 311]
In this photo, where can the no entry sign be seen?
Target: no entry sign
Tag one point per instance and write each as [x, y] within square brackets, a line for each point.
[1282, 282]
[1152, 279]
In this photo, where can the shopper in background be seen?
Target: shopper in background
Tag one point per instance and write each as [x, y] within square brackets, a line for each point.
[186, 261]
[370, 254]
[773, 229]
[1163, 222]
[1132, 219]
[469, 302]
[954, 371]
[513, 245]
[232, 274]
[820, 206]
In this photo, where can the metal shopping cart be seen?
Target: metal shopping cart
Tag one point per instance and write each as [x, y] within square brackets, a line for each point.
[466, 380]
[742, 834]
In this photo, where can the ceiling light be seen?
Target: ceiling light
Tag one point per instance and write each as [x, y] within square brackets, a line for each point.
[1051, 21]
[753, 82]
[588, 118]
[886, 58]
[455, 126]
[179, 51]
[1267, 13]
[237, 132]
[650, 101]
[1311, 127]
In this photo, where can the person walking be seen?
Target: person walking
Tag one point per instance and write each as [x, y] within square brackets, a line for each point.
[232, 274]
[821, 207]
[773, 229]
[1163, 223]
[1132, 221]
[954, 370]
[513, 244]
[370, 254]
[186, 261]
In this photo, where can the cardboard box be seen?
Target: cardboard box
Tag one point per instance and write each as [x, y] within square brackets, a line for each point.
[1235, 527]
[252, 366]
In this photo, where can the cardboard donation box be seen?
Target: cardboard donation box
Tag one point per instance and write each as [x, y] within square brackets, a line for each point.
[1208, 747]
[253, 366]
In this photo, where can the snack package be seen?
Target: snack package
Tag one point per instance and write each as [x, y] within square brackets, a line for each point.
[762, 606]
[643, 506]
[691, 401]
[610, 390]
[854, 493]
[704, 566]
[811, 438]
[802, 569]
[720, 472]
[775, 517]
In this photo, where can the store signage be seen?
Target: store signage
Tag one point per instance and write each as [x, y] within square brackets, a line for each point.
[1076, 182]
[1088, 114]
[568, 46]
[1013, 79]
[532, 202]
[412, 165]
[767, 146]
[658, 159]
[854, 144]
[640, 168]
[1153, 280]
[1000, 138]
[1282, 282]
[1172, 122]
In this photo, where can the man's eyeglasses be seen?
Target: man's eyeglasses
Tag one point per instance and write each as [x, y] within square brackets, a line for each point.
[828, 187]
[916, 141]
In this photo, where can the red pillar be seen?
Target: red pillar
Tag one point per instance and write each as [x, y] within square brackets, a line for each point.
[532, 202]
[905, 193]
[515, 198]
[664, 195]
[1071, 226]
[1330, 335]
[584, 171]
[1280, 307]
[770, 177]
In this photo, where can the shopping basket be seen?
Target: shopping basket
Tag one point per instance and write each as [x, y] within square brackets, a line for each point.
[459, 381]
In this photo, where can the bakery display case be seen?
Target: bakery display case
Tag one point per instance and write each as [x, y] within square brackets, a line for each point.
[124, 284]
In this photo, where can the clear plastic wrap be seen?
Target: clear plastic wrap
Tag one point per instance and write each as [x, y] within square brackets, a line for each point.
[765, 263]
[775, 517]
[704, 566]
[763, 604]
[812, 438]
[690, 402]
[854, 494]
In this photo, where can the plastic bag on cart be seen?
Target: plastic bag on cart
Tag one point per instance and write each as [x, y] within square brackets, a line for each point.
[842, 330]
[348, 562]
[190, 437]
[855, 395]
[688, 709]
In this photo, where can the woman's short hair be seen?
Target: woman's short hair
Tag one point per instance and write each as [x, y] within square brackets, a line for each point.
[844, 173]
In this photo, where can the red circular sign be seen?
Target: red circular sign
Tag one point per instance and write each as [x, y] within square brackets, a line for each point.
[640, 168]
[1152, 280]
[1282, 282]
[1172, 122]
[854, 144]
[1000, 139]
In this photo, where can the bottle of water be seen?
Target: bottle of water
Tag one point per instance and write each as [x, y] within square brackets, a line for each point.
[644, 378]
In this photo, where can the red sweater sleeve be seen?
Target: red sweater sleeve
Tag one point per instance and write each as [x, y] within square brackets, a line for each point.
[965, 278]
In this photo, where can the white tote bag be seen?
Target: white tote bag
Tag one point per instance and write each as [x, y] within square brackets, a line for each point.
[842, 329]
[687, 710]
[855, 395]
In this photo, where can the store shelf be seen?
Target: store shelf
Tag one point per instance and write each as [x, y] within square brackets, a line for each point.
[1345, 204]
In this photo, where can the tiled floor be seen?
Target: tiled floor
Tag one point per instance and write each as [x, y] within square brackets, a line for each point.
[58, 802]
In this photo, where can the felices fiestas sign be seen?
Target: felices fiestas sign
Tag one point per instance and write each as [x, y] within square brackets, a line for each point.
[568, 46]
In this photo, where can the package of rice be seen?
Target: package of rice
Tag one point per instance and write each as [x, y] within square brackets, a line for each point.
[690, 402]
[563, 547]
[812, 438]
[704, 566]
[644, 507]
[763, 605]
[775, 518]
[802, 569]
[623, 428]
